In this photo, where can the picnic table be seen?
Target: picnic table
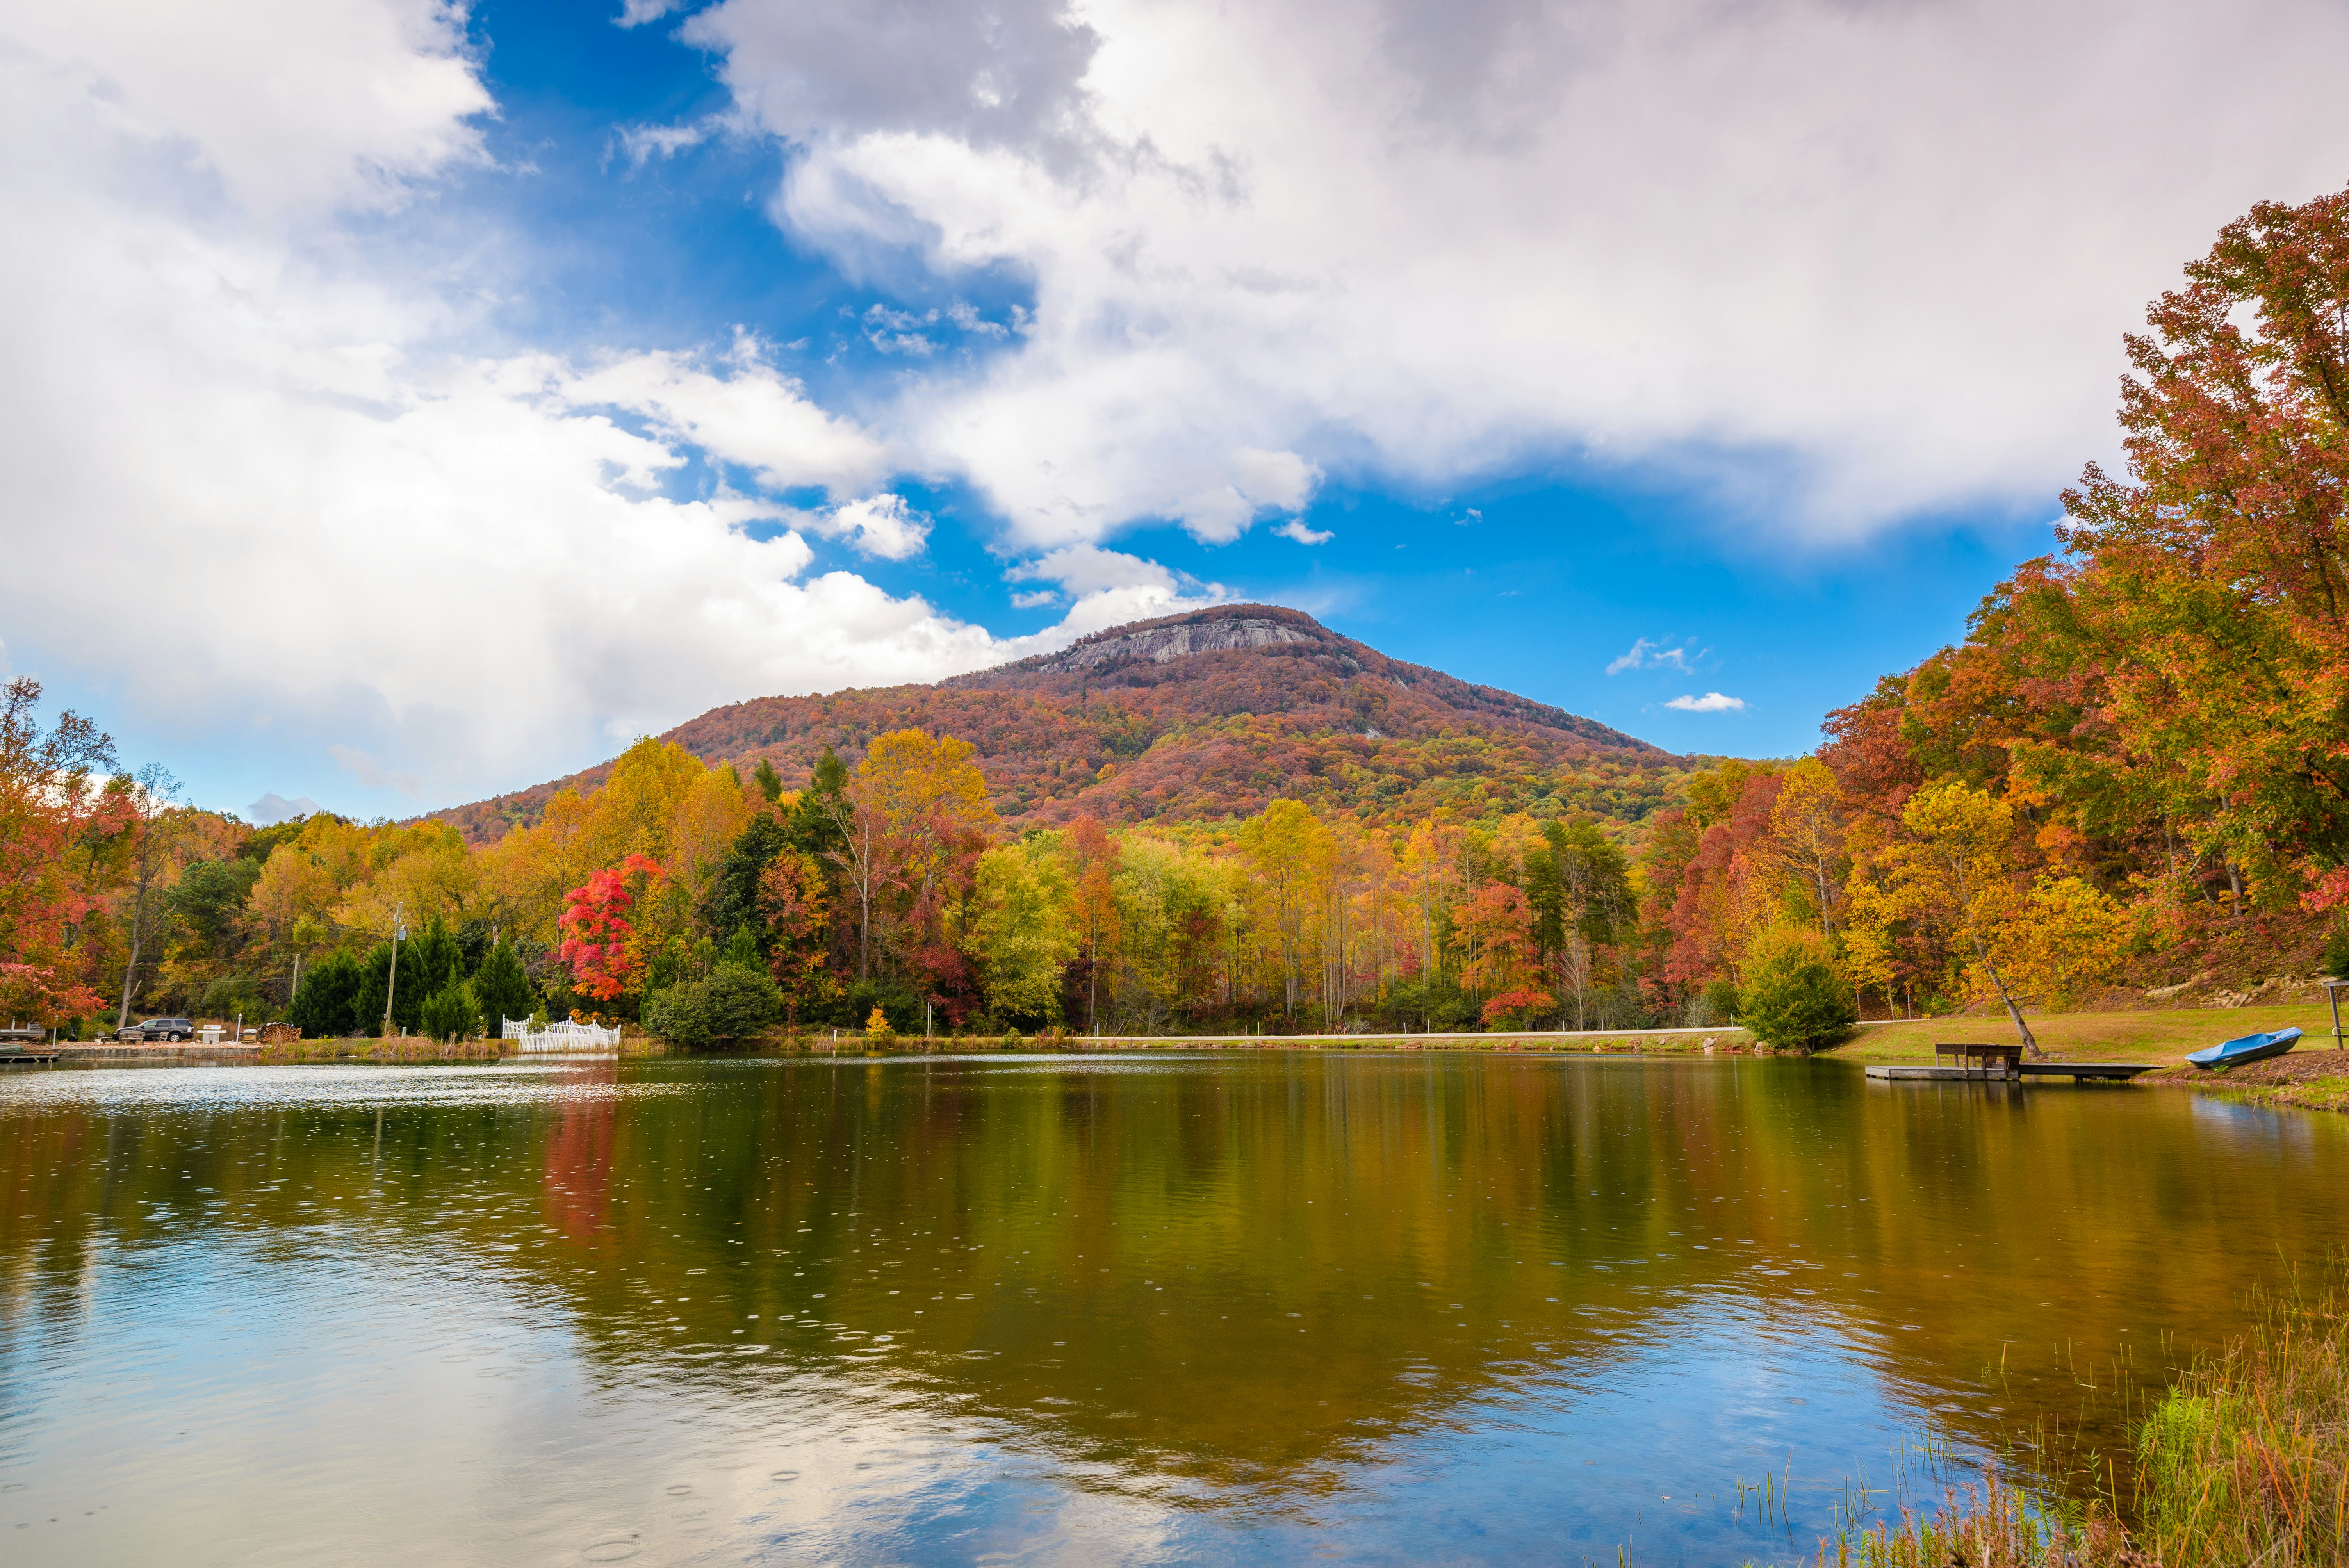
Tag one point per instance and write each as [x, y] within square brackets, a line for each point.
[1991, 1061]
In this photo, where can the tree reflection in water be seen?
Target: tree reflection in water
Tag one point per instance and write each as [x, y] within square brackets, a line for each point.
[1467, 1307]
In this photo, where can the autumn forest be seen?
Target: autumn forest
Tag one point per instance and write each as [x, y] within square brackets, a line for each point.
[2125, 784]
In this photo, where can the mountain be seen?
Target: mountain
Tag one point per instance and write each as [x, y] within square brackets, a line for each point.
[1199, 716]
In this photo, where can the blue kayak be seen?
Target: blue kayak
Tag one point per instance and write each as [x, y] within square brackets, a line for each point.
[2250, 1048]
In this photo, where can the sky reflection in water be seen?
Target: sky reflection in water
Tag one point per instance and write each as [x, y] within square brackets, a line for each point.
[948, 1310]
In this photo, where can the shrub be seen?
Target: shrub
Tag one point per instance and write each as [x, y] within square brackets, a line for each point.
[1517, 1009]
[451, 1012]
[1795, 997]
[734, 1004]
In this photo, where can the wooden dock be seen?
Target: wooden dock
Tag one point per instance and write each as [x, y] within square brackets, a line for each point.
[2076, 1071]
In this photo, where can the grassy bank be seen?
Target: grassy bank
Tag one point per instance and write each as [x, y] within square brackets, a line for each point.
[1626, 1042]
[2244, 1459]
[2163, 1038]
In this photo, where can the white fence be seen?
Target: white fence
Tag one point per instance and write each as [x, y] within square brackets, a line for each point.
[560, 1036]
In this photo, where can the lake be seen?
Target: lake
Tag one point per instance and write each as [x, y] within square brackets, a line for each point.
[1266, 1307]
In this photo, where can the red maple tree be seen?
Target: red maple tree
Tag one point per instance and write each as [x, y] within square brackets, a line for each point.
[599, 943]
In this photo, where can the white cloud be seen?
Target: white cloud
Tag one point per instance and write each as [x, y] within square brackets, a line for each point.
[881, 525]
[754, 416]
[637, 13]
[1295, 529]
[1009, 72]
[1040, 598]
[1840, 265]
[1645, 654]
[643, 143]
[1711, 702]
[448, 573]
[287, 103]
[1110, 587]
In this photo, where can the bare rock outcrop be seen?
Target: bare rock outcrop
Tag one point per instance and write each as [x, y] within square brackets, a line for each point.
[1163, 644]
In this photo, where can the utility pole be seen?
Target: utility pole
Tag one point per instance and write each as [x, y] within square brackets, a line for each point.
[391, 984]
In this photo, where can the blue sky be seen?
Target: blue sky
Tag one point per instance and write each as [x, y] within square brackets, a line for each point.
[511, 381]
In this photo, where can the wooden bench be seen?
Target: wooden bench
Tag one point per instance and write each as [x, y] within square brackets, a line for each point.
[1994, 1061]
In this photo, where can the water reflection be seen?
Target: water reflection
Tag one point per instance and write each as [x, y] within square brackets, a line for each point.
[930, 1309]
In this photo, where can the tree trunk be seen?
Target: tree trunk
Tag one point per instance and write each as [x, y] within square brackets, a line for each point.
[138, 921]
[2030, 1041]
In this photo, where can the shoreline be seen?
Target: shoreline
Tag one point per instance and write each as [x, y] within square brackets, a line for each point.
[416, 1052]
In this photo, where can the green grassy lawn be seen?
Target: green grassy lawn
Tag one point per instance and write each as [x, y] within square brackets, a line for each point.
[2162, 1037]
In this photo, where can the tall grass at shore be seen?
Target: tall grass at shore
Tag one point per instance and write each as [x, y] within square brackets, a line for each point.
[2245, 1459]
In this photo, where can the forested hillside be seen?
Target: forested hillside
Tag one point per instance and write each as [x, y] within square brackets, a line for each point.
[1196, 717]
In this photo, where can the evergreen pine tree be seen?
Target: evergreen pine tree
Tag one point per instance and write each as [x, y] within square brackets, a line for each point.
[438, 950]
[451, 1012]
[408, 999]
[325, 1006]
[503, 990]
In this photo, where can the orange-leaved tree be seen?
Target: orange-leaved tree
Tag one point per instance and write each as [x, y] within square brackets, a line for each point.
[48, 807]
[2210, 587]
[1494, 932]
[796, 901]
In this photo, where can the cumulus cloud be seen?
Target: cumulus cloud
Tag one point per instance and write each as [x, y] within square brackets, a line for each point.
[1010, 73]
[433, 572]
[1295, 529]
[1644, 655]
[1711, 702]
[881, 525]
[1109, 587]
[637, 13]
[384, 91]
[1835, 264]
[752, 416]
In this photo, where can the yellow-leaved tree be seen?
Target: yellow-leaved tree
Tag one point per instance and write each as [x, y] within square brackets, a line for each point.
[1021, 931]
[1807, 833]
[915, 809]
[1955, 873]
[1287, 846]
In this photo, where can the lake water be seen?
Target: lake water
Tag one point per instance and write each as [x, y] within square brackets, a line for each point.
[1261, 1308]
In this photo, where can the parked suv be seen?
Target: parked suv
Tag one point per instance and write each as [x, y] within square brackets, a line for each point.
[157, 1029]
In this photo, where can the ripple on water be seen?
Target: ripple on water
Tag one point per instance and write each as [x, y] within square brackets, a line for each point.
[245, 1088]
